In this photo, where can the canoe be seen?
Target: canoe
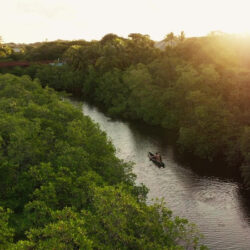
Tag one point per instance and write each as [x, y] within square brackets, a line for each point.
[159, 164]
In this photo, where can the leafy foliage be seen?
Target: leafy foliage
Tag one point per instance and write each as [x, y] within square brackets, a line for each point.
[67, 189]
[6, 233]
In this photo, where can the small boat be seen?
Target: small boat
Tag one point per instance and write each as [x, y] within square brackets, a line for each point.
[160, 164]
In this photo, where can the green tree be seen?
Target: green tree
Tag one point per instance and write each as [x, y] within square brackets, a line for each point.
[118, 221]
[182, 36]
[170, 39]
[6, 232]
[66, 231]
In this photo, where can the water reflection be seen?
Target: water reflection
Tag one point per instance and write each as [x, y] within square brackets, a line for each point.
[214, 201]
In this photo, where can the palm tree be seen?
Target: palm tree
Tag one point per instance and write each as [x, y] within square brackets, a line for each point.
[170, 38]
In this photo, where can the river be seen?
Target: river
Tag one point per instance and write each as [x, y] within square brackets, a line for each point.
[214, 201]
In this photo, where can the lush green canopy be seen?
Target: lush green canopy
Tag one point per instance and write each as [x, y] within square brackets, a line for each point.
[62, 187]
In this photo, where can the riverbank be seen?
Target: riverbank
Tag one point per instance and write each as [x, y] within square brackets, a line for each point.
[217, 204]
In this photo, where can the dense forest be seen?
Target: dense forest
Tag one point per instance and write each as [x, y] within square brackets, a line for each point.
[62, 187]
[198, 88]
[36, 51]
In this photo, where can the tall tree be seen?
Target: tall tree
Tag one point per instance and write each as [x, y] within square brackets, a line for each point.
[170, 39]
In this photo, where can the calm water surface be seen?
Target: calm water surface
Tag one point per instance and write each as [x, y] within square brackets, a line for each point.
[217, 204]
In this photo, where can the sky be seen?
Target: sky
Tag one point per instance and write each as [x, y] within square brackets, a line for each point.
[27, 21]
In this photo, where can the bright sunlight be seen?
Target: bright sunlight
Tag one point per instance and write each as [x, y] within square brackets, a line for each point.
[38, 20]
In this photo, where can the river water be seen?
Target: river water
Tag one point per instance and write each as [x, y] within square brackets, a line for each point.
[215, 202]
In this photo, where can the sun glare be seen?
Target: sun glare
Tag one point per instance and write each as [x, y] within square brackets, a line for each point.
[39, 19]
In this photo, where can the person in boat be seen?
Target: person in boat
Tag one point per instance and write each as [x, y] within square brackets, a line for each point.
[157, 157]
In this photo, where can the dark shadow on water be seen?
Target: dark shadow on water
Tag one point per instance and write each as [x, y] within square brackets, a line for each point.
[203, 168]
[164, 137]
[244, 200]
[217, 168]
